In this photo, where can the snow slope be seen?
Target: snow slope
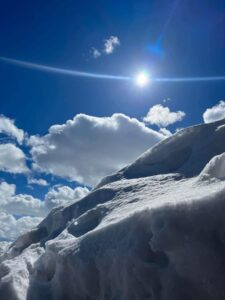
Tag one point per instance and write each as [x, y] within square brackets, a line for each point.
[154, 230]
[186, 152]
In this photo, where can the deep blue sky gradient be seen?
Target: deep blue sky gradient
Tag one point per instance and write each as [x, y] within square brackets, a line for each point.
[60, 33]
[190, 40]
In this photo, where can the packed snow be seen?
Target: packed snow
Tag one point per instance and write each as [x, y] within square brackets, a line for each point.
[154, 230]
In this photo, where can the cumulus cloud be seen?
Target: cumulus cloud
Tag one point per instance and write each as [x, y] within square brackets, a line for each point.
[110, 44]
[18, 204]
[87, 148]
[8, 127]
[215, 113]
[11, 227]
[24, 204]
[12, 159]
[64, 195]
[18, 212]
[162, 116]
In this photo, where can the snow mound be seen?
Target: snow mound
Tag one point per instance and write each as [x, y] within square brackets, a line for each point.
[215, 169]
[149, 236]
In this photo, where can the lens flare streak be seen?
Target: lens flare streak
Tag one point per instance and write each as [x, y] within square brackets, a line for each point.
[77, 73]
[56, 70]
[188, 79]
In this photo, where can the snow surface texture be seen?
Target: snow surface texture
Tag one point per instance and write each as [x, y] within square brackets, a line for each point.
[154, 231]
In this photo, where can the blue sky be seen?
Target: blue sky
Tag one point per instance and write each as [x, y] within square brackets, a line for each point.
[61, 33]
[166, 38]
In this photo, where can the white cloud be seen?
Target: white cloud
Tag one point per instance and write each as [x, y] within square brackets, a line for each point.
[8, 127]
[11, 227]
[95, 53]
[38, 181]
[24, 204]
[64, 195]
[109, 47]
[18, 204]
[87, 148]
[162, 116]
[214, 113]
[12, 159]
[29, 210]
[110, 44]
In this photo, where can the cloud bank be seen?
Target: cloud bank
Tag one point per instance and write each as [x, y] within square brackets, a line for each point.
[12, 227]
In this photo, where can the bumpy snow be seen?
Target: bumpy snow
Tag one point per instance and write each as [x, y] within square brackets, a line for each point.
[155, 230]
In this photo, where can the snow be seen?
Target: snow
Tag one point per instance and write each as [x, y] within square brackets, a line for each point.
[15, 273]
[154, 230]
[186, 152]
[215, 169]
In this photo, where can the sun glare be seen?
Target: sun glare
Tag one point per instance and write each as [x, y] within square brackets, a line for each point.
[142, 79]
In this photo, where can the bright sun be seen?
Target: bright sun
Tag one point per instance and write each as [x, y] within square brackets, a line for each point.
[142, 79]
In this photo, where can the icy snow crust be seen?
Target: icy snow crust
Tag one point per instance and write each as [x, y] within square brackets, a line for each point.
[144, 235]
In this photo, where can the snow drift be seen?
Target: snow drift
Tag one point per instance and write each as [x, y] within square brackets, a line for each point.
[154, 230]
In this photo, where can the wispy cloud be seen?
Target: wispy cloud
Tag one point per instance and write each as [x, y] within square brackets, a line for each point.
[109, 46]
[95, 53]
[37, 181]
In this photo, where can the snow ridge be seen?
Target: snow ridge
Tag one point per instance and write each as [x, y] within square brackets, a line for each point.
[154, 230]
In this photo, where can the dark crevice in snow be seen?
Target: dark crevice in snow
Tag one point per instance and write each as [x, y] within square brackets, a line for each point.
[87, 222]
[58, 219]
